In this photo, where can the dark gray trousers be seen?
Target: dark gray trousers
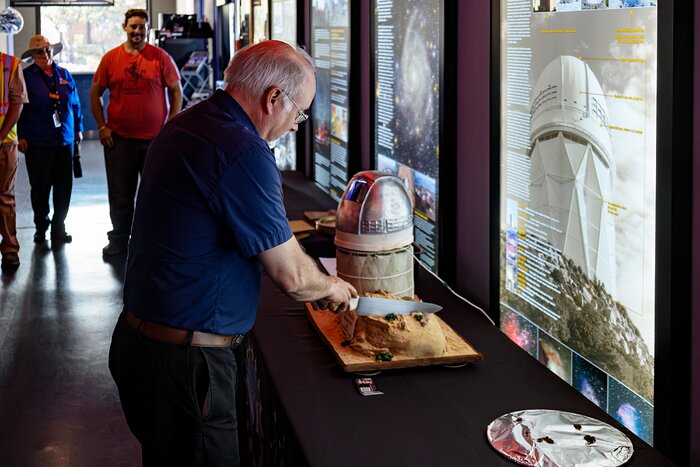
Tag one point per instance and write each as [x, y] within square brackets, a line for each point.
[50, 167]
[178, 401]
[124, 165]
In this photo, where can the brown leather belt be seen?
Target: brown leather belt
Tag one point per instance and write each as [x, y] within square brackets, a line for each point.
[170, 335]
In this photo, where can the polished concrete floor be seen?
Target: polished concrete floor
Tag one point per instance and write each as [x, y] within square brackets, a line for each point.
[58, 403]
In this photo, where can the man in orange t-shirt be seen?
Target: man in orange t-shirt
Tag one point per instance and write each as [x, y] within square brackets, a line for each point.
[137, 75]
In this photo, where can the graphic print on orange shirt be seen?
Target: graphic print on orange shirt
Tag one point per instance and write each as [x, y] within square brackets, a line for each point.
[134, 77]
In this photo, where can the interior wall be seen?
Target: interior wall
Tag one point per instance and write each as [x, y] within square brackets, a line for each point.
[185, 7]
[5, 40]
[163, 6]
[29, 29]
[472, 151]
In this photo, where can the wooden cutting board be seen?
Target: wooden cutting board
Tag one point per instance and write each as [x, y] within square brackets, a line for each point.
[458, 350]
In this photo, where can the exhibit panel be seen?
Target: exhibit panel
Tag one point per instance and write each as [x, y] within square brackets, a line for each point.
[244, 19]
[261, 20]
[330, 111]
[284, 28]
[407, 61]
[284, 20]
[578, 105]
[226, 36]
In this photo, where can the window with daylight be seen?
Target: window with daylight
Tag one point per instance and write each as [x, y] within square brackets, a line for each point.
[86, 32]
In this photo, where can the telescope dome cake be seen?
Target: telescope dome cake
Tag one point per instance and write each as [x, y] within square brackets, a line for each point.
[415, 335]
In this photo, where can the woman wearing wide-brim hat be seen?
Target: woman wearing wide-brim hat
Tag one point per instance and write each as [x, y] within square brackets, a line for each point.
[48, 128]
[38, 43]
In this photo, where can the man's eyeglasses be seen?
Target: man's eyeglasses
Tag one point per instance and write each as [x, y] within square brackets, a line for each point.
[301, 115]
[43, 51]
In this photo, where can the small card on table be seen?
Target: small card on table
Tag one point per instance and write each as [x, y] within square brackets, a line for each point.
[367, 387]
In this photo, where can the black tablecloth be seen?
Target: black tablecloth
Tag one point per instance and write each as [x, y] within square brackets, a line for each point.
[432, 416]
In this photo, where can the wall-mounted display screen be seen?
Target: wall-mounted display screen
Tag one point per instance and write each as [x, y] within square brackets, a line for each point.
[330, 112]
[578, 195]
[407, 64]
[284, 28]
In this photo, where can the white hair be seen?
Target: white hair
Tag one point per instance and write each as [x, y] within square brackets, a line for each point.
[257, 67]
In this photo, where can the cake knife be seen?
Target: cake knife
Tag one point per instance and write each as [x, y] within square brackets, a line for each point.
[372, 306]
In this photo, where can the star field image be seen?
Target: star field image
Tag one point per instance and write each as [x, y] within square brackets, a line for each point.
[555, 356]
[417, 90]
[631, 410]
[520, 331]
[590, 381]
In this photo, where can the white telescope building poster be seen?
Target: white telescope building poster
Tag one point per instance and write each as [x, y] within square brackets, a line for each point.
[578, 175]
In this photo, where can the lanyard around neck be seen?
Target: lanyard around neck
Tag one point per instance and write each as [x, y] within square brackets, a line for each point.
[52, 84]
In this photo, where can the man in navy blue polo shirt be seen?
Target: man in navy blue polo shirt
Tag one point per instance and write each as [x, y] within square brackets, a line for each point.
[209, 217]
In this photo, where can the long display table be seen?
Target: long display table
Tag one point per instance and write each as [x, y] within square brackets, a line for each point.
[303, 410]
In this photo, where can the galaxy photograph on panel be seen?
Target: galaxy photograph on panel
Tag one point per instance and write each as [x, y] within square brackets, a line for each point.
[555, 356]
[285, 152]
[339, 122]
[511, 215]
[406, 175]
[511, 246]
[321, 108]
[386, 164]
[511, 277]
[425, 195]
[417, 84]
[520, 331]
[631, 410]
[590, 381]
